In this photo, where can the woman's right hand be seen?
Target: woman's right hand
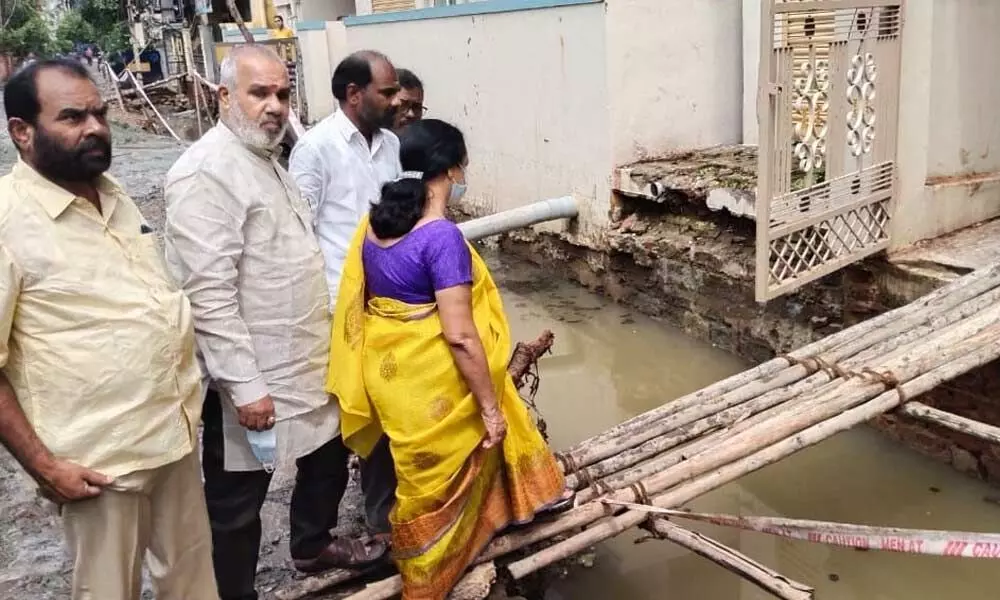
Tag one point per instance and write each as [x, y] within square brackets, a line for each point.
[496, 427]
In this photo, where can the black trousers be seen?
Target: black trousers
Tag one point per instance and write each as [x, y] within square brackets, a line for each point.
[235, 498]
[378, 483]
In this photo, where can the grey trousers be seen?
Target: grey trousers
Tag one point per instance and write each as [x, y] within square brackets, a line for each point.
[378, 483]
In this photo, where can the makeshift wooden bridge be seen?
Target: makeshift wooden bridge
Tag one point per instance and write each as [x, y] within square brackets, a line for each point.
[699, 442]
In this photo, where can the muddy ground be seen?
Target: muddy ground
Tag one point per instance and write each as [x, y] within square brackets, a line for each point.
[33, 561]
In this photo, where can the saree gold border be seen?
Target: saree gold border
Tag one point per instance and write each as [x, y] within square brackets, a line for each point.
[436, 585]
[414, 537]
[537, 483]
[534, 483]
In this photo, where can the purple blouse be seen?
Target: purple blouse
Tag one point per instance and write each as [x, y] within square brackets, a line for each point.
[432, 257]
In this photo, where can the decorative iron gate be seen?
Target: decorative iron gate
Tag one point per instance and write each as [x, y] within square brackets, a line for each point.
[827, 104]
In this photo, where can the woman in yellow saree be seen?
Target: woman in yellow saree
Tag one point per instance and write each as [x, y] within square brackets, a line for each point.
[419, 352]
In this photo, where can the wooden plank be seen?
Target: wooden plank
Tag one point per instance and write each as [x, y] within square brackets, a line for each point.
[951, 421]
[732, 560]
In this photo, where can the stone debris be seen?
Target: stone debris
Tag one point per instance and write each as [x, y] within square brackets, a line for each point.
[720, 177]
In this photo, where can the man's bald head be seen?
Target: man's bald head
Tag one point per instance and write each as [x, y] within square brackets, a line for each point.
[247, 55]
[254, 93]
[365, 83]
[357, 69]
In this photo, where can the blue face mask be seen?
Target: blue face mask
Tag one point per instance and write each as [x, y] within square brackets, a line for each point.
[457, 190]
[264, 444]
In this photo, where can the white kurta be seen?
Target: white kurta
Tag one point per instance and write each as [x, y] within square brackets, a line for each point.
[239, 241]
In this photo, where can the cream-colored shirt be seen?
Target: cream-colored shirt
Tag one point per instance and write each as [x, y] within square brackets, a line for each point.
[95, 338]
[239, 241]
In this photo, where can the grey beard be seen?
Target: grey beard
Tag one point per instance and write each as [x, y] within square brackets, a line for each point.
[250, 133]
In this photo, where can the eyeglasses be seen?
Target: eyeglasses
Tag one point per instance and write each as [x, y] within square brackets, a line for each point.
[417, 108]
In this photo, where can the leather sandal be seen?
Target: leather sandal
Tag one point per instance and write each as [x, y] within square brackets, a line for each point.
[343, 553]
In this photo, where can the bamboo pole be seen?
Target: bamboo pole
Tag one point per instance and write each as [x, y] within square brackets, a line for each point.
[791, 374]
[155, 84]
[919, 374]
[732, 560]
[824, 430]
[916, 335]
[963, 288]
[733, 420]
[383, 589]
[652, 456]
[708, 406]
[845, 343]
[476, 584]
[308, 586]
[199, 101]
[929, 542]
[196, 87]
[467, 587]
[210, 85]
[951, 421]
[142, 93]
[115, 82]
[587, 513]
[234, 12]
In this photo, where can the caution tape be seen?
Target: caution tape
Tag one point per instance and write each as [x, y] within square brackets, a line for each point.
[890, 539]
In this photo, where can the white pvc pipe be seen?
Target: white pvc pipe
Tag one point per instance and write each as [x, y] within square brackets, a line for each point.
[524, 216]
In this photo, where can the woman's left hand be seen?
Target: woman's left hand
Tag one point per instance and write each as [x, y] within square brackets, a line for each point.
[496, 428]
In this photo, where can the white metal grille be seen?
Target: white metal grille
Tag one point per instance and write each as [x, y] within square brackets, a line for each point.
[829, 86]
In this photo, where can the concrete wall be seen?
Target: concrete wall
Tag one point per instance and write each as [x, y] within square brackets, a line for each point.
[314, 45]
[527, 87]
[675, 71]
[325, 10]
[336, 46]
[751, 65]
[949, 125]
[554, 97]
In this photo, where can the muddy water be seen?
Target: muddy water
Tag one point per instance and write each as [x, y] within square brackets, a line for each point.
[610, 363]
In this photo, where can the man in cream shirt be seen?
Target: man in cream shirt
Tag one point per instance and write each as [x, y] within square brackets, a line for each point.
[100, 391]
[239, 241]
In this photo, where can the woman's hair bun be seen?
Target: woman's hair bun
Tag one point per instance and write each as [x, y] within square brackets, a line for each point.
[429, 147]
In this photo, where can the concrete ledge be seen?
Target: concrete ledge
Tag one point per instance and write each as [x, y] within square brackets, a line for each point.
[461, 10]
[719, 178]
[961, 251]
[310, 26]
[231, 33]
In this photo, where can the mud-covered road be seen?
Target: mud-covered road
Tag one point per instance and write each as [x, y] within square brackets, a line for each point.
[33, 561]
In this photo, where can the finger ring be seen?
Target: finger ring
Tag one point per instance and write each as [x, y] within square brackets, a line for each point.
[270, 420]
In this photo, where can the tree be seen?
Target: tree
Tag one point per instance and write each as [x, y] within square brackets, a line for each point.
[93, 22]
[23, 29]
[108, 22]
[72, 29]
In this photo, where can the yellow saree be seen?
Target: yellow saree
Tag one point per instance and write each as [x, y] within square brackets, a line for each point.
[393, 372]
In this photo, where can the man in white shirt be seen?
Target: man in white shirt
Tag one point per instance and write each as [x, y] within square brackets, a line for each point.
[239, 241]
[340, 166]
